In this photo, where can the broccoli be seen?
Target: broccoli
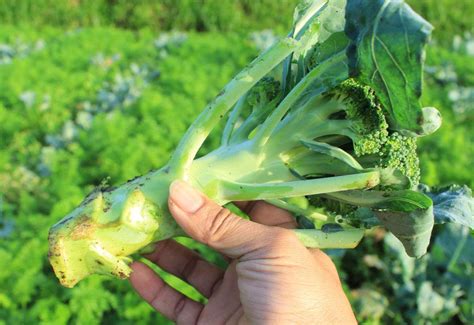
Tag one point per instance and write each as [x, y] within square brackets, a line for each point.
[294, 131]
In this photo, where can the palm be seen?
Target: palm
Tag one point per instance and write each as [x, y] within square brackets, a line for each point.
[224, 305]
[219, 286]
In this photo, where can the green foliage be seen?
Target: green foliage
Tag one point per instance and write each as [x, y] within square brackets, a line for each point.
[454, 204]
[449, 17]
[435, 289]
[43, 87]
[160, 15]
[381, 31]
[42, 179]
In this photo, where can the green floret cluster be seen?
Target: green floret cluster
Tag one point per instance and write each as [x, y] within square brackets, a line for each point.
[350, 120]
[396, 152]
[332, 207]
[400, 152]
[374, 145]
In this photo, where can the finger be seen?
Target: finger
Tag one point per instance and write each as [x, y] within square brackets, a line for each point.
[187, 265]
[244, 206]
[225, 300]
[166, 300]
[267, 214]
[209, 223]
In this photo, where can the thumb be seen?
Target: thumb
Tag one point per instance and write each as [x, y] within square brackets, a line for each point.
[217, 227]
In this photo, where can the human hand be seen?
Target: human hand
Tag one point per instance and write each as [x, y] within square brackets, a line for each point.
[271, 279]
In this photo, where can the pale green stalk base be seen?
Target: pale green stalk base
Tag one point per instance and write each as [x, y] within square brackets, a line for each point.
[108, 226]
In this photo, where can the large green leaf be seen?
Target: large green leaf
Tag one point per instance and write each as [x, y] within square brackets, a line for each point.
[453, 204]
[387, 53]
[407, 214]
[413, 229]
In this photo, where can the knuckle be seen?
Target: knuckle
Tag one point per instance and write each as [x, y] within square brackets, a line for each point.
[155, 298]
[179, 306]
[218, 223]
[283, 242]
[189, 268]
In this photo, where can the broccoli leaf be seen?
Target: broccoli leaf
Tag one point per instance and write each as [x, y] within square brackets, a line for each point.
[413, 229]
[452, 248]
[335, 43]
[453, 204]
[387, 53]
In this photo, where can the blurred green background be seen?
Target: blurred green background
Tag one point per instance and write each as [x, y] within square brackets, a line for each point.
[96, 89]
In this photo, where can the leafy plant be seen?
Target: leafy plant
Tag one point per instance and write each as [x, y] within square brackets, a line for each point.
[40, 183]
[434, 289]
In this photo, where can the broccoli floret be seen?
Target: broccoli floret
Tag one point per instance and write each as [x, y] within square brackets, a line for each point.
[351, 120]
[397, 152]
[373, 145]
[350, 110]
[259, 102]
[369, 129]
[400, 152]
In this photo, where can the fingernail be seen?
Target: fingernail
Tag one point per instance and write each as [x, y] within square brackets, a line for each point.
[185, 197]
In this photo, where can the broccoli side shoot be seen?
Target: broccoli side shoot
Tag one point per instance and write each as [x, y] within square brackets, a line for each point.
[397, 152]
[266, 90]
[373, 144]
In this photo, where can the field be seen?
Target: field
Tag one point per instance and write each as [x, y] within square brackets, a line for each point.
[91, 97]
